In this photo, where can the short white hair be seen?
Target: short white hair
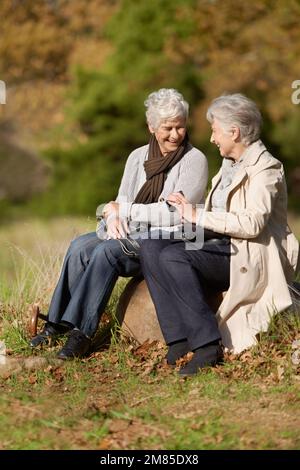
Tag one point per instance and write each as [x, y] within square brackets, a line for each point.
[164, 104]
[237, 110]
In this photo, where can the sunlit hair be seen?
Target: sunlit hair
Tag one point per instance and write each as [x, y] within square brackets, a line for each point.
[165, 104]
[237, 110]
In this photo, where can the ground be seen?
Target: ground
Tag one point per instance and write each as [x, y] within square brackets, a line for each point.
[126, 397]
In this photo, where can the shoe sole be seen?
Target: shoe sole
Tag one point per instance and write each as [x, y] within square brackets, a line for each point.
[66, 358]
[188, 374]
[71, 358]
[45, 342]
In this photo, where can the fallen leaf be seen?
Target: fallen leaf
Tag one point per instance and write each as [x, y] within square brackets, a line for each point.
[105, 444]
[118, 425]
[280, 372]
[32, 379]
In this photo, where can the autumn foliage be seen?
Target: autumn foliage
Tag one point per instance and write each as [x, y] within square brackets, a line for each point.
[78, 73]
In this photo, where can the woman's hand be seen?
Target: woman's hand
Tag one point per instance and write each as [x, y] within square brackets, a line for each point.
[111, 208]
[117, 228]
[185, 208]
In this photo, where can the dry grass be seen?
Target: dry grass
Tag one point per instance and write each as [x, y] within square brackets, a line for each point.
[126, 397]
[31, 253]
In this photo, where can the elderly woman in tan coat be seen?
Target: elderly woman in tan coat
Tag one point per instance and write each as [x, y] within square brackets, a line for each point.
[248, 250]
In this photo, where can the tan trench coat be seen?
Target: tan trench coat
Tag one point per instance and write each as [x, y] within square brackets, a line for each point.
[264, 251]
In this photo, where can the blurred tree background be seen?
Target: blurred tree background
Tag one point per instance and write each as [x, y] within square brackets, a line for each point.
[77, 74]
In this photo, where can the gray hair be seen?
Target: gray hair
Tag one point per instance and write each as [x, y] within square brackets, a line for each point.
[237, 110]
[164, 104]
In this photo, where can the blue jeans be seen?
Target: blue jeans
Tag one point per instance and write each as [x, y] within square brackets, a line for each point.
[177, 279]
[90, 270]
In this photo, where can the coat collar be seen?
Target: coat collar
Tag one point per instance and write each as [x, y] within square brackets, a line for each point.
[250, 158]
[252, 153]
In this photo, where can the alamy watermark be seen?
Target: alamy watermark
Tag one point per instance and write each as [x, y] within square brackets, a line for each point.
[167, 226]
[2, 92]
[296, 94]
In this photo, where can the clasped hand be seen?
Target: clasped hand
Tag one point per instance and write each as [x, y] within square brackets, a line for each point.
[185, 208]
[117, 227]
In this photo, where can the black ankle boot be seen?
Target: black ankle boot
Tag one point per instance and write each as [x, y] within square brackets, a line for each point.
[50, 332]
[206, 356]
[77, 345]
[177, 350]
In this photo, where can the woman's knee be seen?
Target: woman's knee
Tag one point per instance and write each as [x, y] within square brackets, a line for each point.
[150, 250]
[82, 243]
[173, 254]
[108, 249]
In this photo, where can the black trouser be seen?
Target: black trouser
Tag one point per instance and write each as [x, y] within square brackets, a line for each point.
[177, 279]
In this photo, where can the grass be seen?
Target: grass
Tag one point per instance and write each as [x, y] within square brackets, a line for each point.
[129, 411]
[120, 399]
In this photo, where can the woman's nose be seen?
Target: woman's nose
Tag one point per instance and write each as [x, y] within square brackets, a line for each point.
[174, 133]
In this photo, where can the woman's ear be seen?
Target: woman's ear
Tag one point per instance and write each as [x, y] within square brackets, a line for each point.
[236, 133]
[151, 130]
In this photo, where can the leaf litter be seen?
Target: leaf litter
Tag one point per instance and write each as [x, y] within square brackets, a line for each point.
[105, 400]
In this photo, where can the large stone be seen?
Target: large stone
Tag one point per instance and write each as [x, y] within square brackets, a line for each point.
[35, 363]
[10, 366]
[16, 365]
[136, 313]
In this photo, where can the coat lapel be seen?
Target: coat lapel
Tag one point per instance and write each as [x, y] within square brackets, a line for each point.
[214, 183]
[250, 157]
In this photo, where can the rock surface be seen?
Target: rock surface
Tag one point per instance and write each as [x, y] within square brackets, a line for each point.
[16, 365]
[136, 313]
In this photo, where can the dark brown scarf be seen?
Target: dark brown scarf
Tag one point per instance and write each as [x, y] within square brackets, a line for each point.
[156, 168]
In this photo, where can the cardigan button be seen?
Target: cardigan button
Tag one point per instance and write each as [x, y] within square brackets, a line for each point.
[243, 269]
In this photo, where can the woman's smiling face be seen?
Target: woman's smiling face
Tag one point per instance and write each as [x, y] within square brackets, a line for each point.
[222, 139]
[170, 134]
